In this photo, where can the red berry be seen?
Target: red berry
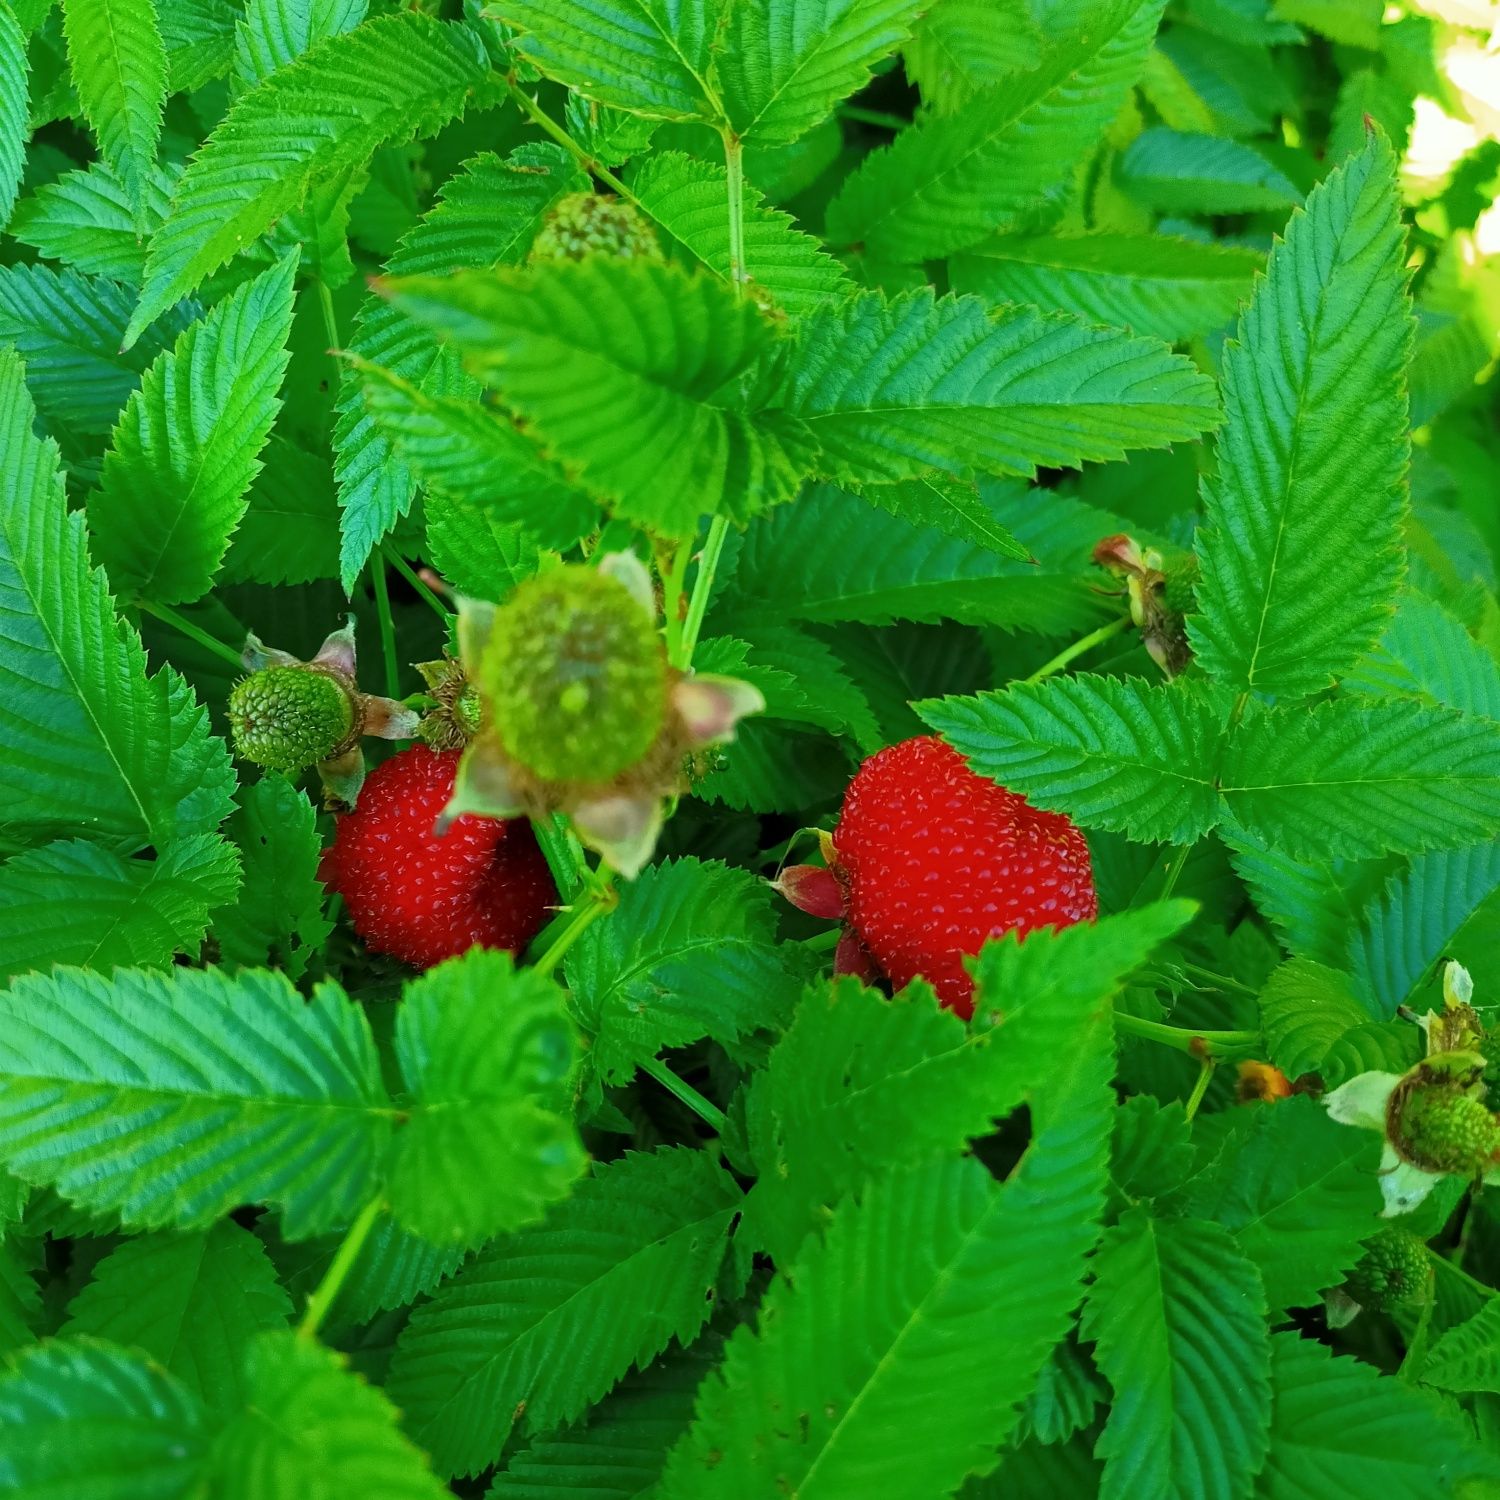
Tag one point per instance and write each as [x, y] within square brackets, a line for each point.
[424, 898]
[938, 859]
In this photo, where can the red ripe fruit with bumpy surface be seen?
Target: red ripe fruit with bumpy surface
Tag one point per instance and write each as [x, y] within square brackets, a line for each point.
[423, 898]
[938, 859]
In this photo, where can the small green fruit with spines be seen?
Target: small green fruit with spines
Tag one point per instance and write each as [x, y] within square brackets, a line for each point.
[1445, 1130]
[1395, 1269]
[575, 676]
[584, 224]
[289, 718]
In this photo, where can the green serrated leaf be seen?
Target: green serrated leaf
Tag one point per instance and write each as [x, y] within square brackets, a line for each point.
[634, 1256]
[1467, 1357]
[477, 553]
[88, 739]
[1353, 781]
[193, 1302]
[15, 117]
[889, 389]
[1177, 172]
[119, 67]
[942, 503]
[199, 38]
[1168, 288]
[948, 182]
[485, 1052]
[1426, 653]
[175, 477]
[488, 214]
[1300, 558]
[73, 902]
[172, 1100]
[960, 47]
[272, 33]
[1177, 1316]
[654, 346]
[380, 84]
[1128, 756]
[783, 65]
[1306, 1012]
[1299, 1193]
[690, 952]
[83, 1417]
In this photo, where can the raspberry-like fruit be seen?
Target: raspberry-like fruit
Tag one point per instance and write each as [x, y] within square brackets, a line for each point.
[289, 718]
[594, 224]
[1395, 1268]
[423, 898]
[575, 675]
[1445, 1130]
[938, 859]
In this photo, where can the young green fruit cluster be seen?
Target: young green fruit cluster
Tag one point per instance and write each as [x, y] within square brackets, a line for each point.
[1395, 1269]
[594, 224]
[1444, 1130]
[576, 676]
[287, 718]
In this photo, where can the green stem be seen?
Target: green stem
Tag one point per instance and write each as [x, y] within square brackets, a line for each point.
[1174, 870]
[871, 117]
[1194, 1043]
[708, 1112]
[671, 585]
[330, 320]
[327, 1290]
[544, 122]
[600, 900]
[1200, 1088]
[169, 616]
[1077, 649]
[1219, 981]
[387, 626]
[821, 942]
[734, 166]
[405, 569]
[703, 586]
[562, 852]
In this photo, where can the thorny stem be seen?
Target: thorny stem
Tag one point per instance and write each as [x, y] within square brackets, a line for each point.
[327, 1290]
[1077, 649]
[706, 1110]
[1194, 1043]
[169, 616]
[387, 626]
[405, 569]
[1200, 1088]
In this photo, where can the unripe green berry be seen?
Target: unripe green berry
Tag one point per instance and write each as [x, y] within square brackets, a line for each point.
[594, 224]
[1395, 1268]
[289, 718]
[575, 675]
[1444, 1130]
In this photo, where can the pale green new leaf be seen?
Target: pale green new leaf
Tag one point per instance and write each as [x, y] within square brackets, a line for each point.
[542, 1324]
[278, 920]
[889, 389]
[1177, 1316]
[1355, 781]
[960, 47]
[1173, 172]
[88, 741]
[1301, 556]
[193, 1302]
[488, 214]
[687, 199]
[1411, 925]
[84, 219]
[73, 902]
[646, 342]
[650, 57]
[272, 33]
[119, 67]
[312, 1427]
[931, 1269]
[85, 1418]
[783, 64]
[485, 1051]
[830, 557]
[690, 952]
[15, 118]
[187, 446]
[1426, 653]
[1168, 288]
[1126, 755]
[477, 456]
[1299, 1193]
[1467, 1357]
[950, 181]
[380, 84]
[1340, 1427]
[172, 1100]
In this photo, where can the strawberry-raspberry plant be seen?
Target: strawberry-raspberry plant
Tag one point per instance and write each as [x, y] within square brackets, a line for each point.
[749, 748]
